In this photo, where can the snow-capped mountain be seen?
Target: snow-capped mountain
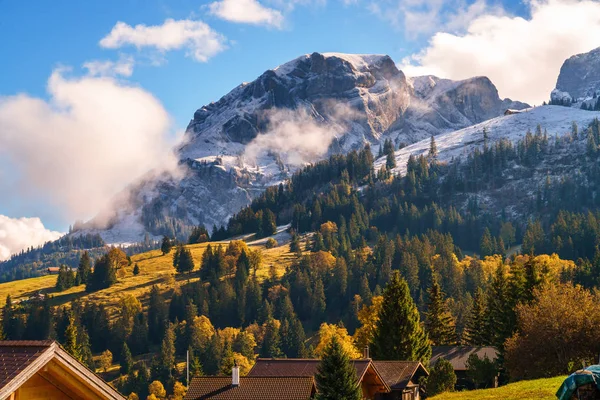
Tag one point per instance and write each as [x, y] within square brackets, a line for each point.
[299, 112]
[579, 78]
[521, 185]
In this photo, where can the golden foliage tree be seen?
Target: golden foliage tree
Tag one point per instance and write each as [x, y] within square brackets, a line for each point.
[556, 332]
[368, 316]
[328, 331]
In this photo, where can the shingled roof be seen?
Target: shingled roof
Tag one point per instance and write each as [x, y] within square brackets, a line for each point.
[400, 374]
[251, 388]
[21, 360]
[297, 367]
[15, 356]
[458, 355]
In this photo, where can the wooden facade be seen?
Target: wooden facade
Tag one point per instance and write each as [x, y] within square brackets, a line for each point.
[42, 370]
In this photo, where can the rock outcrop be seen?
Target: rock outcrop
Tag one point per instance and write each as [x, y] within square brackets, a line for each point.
[579, 78]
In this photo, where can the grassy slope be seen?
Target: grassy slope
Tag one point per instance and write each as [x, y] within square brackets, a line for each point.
[540, 389]
[155, 269]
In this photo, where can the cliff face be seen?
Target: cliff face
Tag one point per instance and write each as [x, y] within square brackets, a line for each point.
[579, 77]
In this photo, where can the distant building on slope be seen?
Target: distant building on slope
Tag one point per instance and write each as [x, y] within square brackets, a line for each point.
[43, 370]
[458, 356]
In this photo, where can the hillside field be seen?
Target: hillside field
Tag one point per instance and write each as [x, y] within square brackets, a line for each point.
[539, 389]
[155, 269]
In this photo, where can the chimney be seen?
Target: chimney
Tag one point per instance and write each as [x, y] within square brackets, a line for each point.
[366, 352]
[235, 375]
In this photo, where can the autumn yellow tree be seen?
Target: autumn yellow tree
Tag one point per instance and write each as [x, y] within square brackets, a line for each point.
[368, 316]
[328, 331]
[202, 330]
[556, 332]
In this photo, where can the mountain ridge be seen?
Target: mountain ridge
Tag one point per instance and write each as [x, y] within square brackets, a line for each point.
[299, 112]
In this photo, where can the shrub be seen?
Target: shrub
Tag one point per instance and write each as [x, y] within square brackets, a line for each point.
[441, 378]
[481, 371]
[271, 243]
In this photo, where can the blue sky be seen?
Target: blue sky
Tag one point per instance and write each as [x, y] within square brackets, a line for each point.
[72, 137]
[67, 33]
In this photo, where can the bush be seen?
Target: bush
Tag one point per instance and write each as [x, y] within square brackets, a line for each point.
[481, 371]
[271, 243]
[441, 378]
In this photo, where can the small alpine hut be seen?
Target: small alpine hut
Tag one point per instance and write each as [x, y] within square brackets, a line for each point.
[581, 385]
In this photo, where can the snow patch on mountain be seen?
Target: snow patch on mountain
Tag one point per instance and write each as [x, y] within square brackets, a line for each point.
[557, 120]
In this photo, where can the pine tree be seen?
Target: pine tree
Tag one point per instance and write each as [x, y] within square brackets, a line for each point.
[84, 269]
[167, 353]
[439, 323]
[399, 335]
[433, 152]
[70, 344]
[390, 161]
[85, 349]
[499, 310]
[271, 347]
[336, 376]
[126, 361]
[475, 330]
[486, 245]
[166, 245]
[184, 262]
[136, 269]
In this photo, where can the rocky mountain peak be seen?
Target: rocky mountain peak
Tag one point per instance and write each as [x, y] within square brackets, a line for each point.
[579, 77]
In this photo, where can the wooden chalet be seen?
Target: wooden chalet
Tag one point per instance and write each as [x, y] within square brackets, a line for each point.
[381, 380]
[36, 370]
[403, 379]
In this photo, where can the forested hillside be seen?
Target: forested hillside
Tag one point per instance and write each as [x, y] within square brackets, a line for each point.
[366, 247]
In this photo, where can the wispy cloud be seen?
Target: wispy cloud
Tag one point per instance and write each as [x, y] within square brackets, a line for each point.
[425, 17]
[247, 12]
[522, 56]
[18, 234]
[123, 67]
[198, 39]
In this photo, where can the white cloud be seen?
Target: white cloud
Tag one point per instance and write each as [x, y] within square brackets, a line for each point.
[123, 67]
[246, 11]
[425, 17]
[18, 234]
[86, 143]
[199, 40]
[298, 136]
[521, 56]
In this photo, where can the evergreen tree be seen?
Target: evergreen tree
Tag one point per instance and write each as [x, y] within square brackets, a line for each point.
[475, 330]
[70, 343]
[136, 269]
[85, 349]
[8, 326]
[439, 323]
[126, 360]
[399, 335]
[166, 245]
[390, 161]
[433, 152]
[184, 262]
[103, 276]
[442, 378]
[336, 376]
[271, 347]
[167, 354]
[498, 312]
[84, 269]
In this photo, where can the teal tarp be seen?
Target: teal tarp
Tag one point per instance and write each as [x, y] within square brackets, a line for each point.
[582, 377]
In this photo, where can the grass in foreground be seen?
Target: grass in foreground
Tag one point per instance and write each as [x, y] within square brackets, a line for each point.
[155, 269]
[539, 389]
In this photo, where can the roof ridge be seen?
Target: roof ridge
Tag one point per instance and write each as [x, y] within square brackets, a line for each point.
[26, 343]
